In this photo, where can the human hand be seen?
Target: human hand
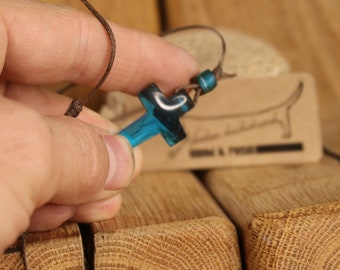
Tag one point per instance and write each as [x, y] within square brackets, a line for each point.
[55, 168]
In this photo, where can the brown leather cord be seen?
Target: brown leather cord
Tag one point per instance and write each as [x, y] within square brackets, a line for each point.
[76, 105]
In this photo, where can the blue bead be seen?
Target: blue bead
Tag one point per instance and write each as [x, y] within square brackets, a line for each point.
[206, 80]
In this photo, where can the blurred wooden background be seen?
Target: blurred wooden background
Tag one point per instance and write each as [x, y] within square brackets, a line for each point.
[286, 217]
[306, 32]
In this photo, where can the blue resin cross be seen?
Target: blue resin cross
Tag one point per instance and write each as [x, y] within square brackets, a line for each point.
[161, 117]
[162, 113]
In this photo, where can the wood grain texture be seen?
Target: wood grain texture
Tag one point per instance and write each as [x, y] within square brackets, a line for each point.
[57, 249]
[246, 192]
[288, 216]
[304, 238]
[140, 15]
[205, 243]
[306, 32]
[168, 221]
[12, 259]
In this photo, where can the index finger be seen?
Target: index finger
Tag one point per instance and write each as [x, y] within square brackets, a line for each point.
[48, 44]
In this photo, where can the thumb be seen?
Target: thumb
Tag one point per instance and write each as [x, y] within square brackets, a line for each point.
[87, 160]
[53, 159]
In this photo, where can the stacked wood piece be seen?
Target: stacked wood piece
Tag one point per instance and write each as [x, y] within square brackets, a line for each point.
[289, 216]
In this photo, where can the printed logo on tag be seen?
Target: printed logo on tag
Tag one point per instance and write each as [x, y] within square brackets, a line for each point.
[243, 122]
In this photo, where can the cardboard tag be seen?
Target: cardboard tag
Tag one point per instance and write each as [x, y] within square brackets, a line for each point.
[242, 122]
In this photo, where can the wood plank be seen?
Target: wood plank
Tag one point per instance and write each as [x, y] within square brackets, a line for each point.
[60, 248]
[56, 249]
[288, 216]
[246, 192]
[168, 221]
[304, 238]
[306, 32]
[11, 259]
[204, 243]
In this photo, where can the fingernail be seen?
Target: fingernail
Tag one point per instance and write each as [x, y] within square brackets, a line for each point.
[121, 162]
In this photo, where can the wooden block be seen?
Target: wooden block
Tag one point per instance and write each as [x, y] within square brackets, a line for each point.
[11, 259]
[304, 238]
[288, 216]
[204, 243]
[268, 189]
[167, 221]
[56, 249]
